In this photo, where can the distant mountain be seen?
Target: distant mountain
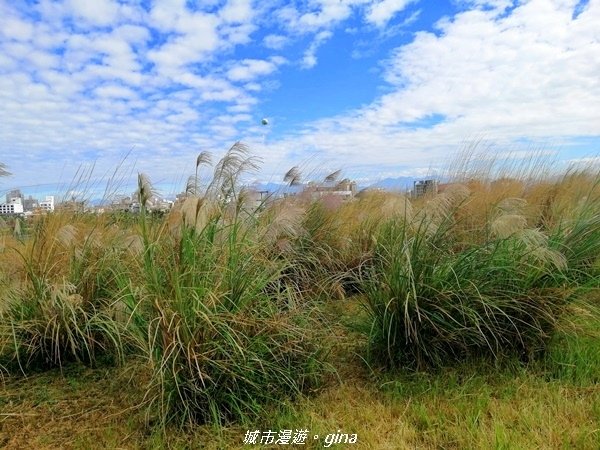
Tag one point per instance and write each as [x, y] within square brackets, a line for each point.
[389, 184]
[96, 201]
[395, 184]
[276, 188]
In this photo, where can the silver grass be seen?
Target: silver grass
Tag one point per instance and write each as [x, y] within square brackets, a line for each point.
[65, 293]
[197, 212]
[511, 205]
[204, 158]
[66, 234]
[17, 231]
[191, 187]
[333, 176]
[134, 244]
[145, 189]
[293, 176]
[234, 163]
[457, 193]
[507, 224]
[286, 222]
[396, 206]
[537, 244]
[4, 171]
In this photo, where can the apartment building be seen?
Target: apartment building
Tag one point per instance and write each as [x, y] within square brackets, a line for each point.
[48, 204]
[13, 206]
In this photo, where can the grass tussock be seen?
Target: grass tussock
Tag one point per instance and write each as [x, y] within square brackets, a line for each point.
[217, 320]
[59, 306]
[437, 293]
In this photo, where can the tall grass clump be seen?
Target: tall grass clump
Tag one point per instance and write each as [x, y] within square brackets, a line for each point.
[57, 307]
[327, 241]
[575, 219]
[436, 296]
[574, 352]
[220, 327]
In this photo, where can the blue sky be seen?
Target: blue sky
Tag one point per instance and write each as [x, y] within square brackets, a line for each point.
[378, 88]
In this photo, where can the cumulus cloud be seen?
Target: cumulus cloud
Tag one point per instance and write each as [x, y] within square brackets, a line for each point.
[17, 29]
[382, 11]
[196, 40]
[170, 78]
[530, 75]
[115, 91]
[275, 41]
[330, 11]
[309, 58]
[238, 11]
[327, 14]
[249, 69]
[124, 76]
[493, 4]
[98, 12]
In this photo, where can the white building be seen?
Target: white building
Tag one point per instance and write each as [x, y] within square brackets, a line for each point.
[48, 204]
[345, 189]
[13, 206]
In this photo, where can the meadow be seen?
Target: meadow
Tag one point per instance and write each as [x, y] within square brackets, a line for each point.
[467, 318]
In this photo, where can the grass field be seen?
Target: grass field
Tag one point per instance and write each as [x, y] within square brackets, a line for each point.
[464, 319]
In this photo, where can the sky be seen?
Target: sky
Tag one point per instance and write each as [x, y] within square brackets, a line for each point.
[377, 88]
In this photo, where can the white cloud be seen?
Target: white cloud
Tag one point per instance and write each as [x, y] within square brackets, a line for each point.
[330, 11]
[249, 69]
[309, 59]
[239, 108]
[195, 36]
[165, 14]
[132, 34]
[115, 91]
[199, 39]
[14, 28]
[237, 11]
[223, 95]
[275, 41]
[318, 14]
[253, 87]
[170, 80]
[66, 92]
[7, 63]
[97, 12]
[98, 72]
[322, 15]
[42, 59]
[494, 4]
[532, 74]
[237, 34]
[382, 11]
[233, 118]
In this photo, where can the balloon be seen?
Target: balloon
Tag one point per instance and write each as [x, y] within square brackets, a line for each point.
[264, 122]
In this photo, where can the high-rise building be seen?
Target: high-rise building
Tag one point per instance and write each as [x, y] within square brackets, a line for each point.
[425, 187]
[15, 193]
[30, 203]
